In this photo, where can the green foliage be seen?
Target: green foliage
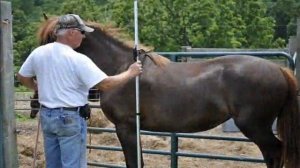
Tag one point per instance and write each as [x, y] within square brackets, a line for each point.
[259, 30]
[285, 13]
[230, 26]
[87, 9]
[29, 14]
[22, 117]
[169, 24]
[24, 35]
[21, 88]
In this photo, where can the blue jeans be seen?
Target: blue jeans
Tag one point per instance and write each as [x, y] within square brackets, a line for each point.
[64, 138]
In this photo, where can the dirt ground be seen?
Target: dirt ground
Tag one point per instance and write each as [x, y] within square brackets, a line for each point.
[27, 131]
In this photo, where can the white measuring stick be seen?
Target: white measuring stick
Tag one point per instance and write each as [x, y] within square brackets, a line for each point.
[138, 138]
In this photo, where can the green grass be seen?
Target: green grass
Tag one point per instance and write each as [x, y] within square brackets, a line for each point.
[22, 117]
[21, 88]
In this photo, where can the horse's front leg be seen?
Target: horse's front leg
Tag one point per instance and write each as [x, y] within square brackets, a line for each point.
[34, 104]
[127, 137]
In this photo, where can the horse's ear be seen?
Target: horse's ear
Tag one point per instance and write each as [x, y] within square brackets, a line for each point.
[45, 16]
[142, 51]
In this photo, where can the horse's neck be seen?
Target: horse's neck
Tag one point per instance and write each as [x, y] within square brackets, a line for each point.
[108, 54]
[121, 60]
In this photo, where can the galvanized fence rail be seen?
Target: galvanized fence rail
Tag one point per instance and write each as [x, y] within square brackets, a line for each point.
[175, 56]
[174, 153]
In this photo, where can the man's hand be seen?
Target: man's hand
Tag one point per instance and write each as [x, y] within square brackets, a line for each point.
[135, 69]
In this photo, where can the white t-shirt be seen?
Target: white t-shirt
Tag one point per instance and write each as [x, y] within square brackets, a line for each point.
[64, 76]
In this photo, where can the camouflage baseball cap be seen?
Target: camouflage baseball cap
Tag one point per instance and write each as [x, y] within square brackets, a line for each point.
[72, 21]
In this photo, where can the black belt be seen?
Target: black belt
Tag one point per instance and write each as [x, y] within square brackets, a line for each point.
[64, 108]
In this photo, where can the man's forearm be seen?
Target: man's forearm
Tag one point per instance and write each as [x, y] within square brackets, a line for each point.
[27, 82]
[122, 78]
[114, 81]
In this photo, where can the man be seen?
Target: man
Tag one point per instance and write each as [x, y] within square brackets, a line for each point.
[64, 78]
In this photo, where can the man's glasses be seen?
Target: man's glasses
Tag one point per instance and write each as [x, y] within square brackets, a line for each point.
[81, 31]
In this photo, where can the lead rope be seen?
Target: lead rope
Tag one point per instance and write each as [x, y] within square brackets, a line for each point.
[36, 141]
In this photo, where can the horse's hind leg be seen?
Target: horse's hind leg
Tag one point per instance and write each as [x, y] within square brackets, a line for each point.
[264, 138]
[127, 138]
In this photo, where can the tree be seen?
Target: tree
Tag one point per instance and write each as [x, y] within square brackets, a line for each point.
[285, 13]
[230, 26]
[24, 29]
[259, 32]
[87, 9]
[29, 14]
[169, 24]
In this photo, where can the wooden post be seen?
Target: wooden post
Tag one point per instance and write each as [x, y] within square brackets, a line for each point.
[8, 153]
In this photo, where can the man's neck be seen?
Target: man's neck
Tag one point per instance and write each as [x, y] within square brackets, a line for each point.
[64, 41]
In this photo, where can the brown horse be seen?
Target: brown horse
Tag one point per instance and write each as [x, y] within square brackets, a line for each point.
[193, 97]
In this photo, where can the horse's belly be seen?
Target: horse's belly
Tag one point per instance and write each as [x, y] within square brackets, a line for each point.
[184, 123]
[184, 128]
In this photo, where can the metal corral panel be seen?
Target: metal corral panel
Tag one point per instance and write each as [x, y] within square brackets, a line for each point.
[282, 62]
